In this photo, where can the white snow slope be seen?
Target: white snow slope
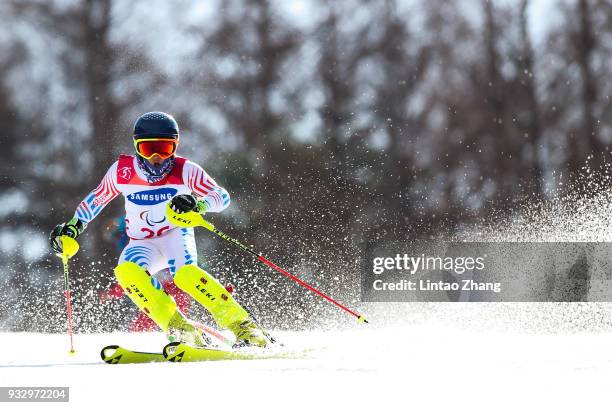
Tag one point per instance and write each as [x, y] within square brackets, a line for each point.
[425, 364]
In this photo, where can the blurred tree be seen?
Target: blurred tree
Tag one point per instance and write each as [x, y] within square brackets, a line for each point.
[241, 72]
[244, 71]
[575, 104]
[93, 64]
[83, 28]
[11, 135]
[528, 118]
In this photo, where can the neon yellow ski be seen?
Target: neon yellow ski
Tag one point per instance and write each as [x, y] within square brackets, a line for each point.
[120, 355]
[181, 352]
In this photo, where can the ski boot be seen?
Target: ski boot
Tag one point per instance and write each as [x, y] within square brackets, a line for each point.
[248, 334]
[180, 329]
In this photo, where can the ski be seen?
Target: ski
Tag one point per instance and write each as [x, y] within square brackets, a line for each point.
[181, 352]
[118, 355]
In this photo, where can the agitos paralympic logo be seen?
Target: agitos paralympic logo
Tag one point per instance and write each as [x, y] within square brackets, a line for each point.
[151, 197]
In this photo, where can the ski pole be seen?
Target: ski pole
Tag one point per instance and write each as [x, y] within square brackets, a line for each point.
[193, 219]
[69, 249]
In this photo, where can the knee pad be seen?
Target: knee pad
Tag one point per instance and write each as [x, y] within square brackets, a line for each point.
[207, 291]
[151, 299]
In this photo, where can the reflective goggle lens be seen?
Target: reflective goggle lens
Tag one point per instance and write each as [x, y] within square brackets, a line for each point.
[162, 147]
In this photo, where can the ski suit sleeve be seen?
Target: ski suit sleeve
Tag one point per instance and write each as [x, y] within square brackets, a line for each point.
[203, 186]
[95, 201]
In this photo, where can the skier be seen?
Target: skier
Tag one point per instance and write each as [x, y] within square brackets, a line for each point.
[148, 180]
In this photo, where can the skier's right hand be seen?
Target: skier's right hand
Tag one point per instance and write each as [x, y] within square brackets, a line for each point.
[72, 228]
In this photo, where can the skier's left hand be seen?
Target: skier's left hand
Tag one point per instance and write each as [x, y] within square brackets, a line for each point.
[183, 203]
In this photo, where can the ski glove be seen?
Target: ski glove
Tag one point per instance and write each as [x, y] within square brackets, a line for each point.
[72, 228]
[184, 203]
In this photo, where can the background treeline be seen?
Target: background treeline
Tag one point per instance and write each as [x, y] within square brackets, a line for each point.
[335, 125]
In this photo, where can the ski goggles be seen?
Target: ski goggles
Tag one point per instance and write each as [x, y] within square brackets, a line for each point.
[150, 147]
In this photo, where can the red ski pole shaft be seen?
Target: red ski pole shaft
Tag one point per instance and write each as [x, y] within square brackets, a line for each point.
[307, 286]
[69, 308]
[68, 304]
[69, 249]
[277, 268]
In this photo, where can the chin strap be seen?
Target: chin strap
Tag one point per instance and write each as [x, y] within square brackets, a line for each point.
[155, 173]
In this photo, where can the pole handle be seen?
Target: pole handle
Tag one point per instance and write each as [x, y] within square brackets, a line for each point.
[69, 248]
[189, 219]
